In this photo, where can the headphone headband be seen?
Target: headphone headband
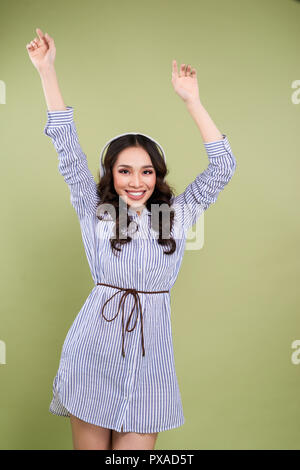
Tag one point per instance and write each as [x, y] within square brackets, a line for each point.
[101, 166]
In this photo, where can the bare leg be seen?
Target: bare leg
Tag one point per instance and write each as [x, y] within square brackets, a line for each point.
[87, 436]
[133, 440]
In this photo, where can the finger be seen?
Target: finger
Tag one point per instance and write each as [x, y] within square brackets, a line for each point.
[188, 70]
[49, 39]
[182, 70]
[41, 36]
[193, 73]
[174, 68]
[40, 33]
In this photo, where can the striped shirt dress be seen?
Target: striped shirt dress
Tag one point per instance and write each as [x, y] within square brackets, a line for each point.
[117, 379]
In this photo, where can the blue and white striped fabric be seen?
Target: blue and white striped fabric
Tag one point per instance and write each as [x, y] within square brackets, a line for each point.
[94, 381]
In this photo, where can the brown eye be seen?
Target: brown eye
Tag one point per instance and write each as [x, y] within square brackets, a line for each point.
[144, 171]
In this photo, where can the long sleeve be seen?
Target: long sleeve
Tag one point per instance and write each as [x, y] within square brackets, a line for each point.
[72, 164]
[204, 190]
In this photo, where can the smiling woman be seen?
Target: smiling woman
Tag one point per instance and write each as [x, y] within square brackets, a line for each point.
[134, 171]
[117, 381]
[131, 180]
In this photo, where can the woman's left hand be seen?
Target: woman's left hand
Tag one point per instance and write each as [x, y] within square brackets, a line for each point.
[185, 83]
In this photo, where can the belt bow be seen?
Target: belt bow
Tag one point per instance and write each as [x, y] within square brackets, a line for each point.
[137, 303]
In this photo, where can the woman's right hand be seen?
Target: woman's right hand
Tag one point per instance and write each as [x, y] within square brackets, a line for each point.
[41, 50]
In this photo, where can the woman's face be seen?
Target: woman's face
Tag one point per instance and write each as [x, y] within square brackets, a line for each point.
[133, 172]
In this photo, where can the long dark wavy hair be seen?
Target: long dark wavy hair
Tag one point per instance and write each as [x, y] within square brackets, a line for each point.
[162, 194]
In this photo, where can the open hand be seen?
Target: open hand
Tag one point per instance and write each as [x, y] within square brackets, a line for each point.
[185, 83]
[41, 50]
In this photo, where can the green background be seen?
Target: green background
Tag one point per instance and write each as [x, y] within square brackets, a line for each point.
[235, 304]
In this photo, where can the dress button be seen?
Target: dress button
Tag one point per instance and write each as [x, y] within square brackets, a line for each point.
[125, 397]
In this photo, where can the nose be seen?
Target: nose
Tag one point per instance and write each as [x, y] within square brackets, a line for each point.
[136, 181]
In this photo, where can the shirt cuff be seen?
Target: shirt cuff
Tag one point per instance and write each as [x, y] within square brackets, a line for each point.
[218, 148]
[58, 118]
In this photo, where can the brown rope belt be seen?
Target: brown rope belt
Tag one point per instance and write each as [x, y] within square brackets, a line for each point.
[122, 301]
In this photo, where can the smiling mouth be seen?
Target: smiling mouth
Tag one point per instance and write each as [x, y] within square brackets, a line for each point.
[134, 196]
[135, 192]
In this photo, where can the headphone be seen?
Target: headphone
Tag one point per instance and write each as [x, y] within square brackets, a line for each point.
[101, 166]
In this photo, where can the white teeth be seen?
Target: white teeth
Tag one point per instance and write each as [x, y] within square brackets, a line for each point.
[136, 194]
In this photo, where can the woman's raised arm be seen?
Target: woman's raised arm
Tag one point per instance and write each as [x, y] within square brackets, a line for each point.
[204, 190]
[61, 128]
[42, 52]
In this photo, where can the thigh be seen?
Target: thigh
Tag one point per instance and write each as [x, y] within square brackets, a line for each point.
[133, 440]
[87, 436]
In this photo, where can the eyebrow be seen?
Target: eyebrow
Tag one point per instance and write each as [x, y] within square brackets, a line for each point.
[145, 166]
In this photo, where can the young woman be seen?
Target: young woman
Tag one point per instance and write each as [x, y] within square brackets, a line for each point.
[120, 390]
